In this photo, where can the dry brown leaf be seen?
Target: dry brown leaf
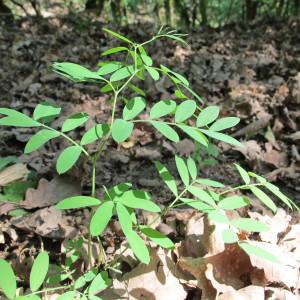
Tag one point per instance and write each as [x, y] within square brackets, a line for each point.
[13, 173]
[50, 192]
[251, 292]
[277, 224]
[251, 150]
[156, 281]
[280, 294]
[286, 273]
[274, 157]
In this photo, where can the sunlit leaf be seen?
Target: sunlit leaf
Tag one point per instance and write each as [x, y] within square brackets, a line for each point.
[124, 218]
[229, 236]
[157, 237]
[162, 108]
[99, 283]
[224, 123]
[182, 170]
[122, 73]
[77, 202]
[209, 182]
[121, 130]
[117, 35]
[95, 133]
[243, 174]
[39, 271]
[192, 168]
[138, 247]
[67, 159]
[222, 137]
[15, 118]
[134, 107]
[254, 250]
[185, 110]
[208, 115]
[167, 177]
[195, 134]
[114, 50]
[74, 121]
[218, 216]
[249, 224]
[45, 111]
[264, 198]
[109, 68]
[153, 73]
[39, 139]
[8, 282]
[233, 202]
[201, 195]
[166, 130]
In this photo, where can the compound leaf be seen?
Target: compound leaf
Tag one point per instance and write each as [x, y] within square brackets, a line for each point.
[224, 123]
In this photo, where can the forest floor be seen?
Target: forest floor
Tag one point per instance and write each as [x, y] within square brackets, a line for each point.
[252, 72]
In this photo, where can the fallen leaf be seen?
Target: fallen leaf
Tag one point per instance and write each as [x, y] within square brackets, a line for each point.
[48, 193]
[251, 292]
[13, 173]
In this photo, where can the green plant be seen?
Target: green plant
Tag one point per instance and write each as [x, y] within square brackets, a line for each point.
[168, 116]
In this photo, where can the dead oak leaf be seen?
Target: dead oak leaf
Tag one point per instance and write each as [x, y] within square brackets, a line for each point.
[48, 193]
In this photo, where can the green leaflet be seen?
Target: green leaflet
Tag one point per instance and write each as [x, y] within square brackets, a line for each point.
[185, 110]
[218, 216]
[77, 202]
[202, 206]
[166, 177]
[233, 202]
[95, 133]
[264, 198]
[275, 190]
[254, 250]
[114, 50]
[121, 130]
[101, 218]
[39, 271]
[153, 73]
[201, 195]
[109, 68]
[137, 199]
[224, 123]
[222, 137]
[99, 283]
[209, 182]
[157, 237]
[208, 115]
[74, 121]
[138, 247]
[249, 224]
[15, 118]
[122, 73]
[45, 111]
[67, 159]
[243, 174]
[166, 130]
[133, 107]
[39, 139]
[182, 170]
[229, 236]
[117, 35]
[162, 108]
[124, 218]
[192, 168]
[8, 282]
[75, 72]
[147, 60]
[195, 134]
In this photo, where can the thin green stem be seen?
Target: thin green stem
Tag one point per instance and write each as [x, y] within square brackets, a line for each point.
[49, 290]
[67, 138]
[241, 187]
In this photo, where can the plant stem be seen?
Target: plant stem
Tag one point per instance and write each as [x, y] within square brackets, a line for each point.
[49, 290]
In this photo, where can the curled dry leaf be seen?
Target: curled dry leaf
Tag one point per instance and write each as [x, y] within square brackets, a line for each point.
[276, 224]
[158, 280]
[50, 192]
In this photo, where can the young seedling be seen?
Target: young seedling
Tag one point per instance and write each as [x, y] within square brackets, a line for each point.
[122, 200]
